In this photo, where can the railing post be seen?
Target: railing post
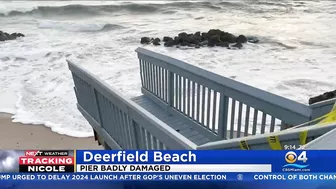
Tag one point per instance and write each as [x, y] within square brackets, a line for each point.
[98, 115]
[95, 101]
[283, 125]
[170, 89]
[134, 130]
[223, 115]
[141, 73]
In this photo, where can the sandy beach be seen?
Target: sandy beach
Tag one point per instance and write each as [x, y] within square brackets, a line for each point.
[21, 136]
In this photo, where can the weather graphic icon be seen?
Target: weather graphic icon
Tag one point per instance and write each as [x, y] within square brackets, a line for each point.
[9, 161]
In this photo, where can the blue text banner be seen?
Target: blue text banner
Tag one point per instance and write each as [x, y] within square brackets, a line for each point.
[280, 161]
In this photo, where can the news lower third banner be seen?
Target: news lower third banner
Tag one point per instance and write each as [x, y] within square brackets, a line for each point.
[229, 165]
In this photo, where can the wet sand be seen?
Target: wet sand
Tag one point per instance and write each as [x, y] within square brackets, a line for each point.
[22, 136]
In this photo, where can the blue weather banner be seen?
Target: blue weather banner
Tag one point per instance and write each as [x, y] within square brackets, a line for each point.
[217, 162]
[241, 160]
[179, 169]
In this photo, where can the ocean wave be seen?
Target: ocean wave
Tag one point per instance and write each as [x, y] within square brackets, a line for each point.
[271, 41]
[79, 27]
[78, 9]
[144, 8]
[272, 3]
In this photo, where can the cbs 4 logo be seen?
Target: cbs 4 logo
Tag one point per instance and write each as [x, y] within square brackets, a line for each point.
[292, 157]
[293, 160]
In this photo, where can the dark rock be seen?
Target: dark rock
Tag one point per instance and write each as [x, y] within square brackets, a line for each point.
[223, 44]
[191, 39]
[191, 45]
[211, 44]
[197, 37]
[183, 35]
[198, 34]
[165, 39]
[145, 40]
[213, 32]
[12, 36]
[19, 35]
[215, 39]
[238, 45]
[156, 41]
[203, 43]
[6, 36]
[228, 37]
[184, 43]
[3, 37]
[204, 34]
[322, 97]
[169, 43]
[197, 47]
[241, 39]
[184, 39]
[178, 40]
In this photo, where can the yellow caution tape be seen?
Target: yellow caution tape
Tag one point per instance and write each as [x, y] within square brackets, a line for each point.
[328, 118]
[331, 116]
[303, 137]
[311, 121]
[243, 145]
[274, 142]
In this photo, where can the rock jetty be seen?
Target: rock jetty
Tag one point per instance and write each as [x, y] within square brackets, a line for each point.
[6, 36]
[322, 97]
[212, 38]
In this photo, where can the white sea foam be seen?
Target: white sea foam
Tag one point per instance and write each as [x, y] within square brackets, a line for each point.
[295, 57]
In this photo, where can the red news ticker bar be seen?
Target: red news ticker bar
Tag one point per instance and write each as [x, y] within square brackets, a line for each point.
[48, 160]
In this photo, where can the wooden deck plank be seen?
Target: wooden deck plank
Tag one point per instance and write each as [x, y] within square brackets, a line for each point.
[196, 137]
[144, 103]
[172, 121]
[177, 125]
[204, 140]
